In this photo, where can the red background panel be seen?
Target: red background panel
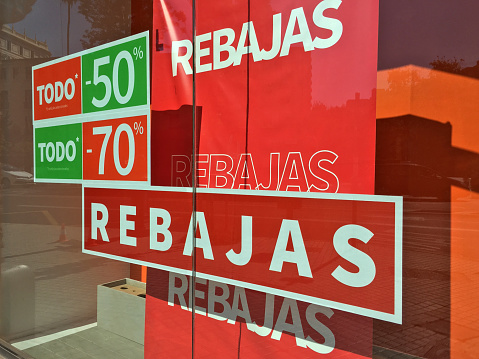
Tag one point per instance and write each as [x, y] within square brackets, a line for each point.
[170, 329]
[139, 171]
[318, 219]
[61, 72]
[305, 102]
[322, 100]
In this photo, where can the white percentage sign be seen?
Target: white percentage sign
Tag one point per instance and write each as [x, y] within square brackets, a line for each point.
[138, 52]
[138, 127]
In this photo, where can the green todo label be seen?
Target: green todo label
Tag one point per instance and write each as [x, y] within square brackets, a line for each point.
[58, 152]
[115, 77]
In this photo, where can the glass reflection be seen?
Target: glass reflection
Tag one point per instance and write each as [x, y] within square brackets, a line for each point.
[48, 285]
[427, 152]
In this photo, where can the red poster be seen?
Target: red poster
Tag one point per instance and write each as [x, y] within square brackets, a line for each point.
[295, 109]
[57, 89]
[340, 251]
[116, 149]
[262, 325]
[286, 92]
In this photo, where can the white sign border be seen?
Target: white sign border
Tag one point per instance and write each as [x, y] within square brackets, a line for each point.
[395, 317]
[105, 116]
[139, 110]
[145, 34]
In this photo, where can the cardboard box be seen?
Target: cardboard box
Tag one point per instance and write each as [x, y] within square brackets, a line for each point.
[121, 308]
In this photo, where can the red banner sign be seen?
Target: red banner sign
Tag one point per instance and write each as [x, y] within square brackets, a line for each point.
[342, 251]
[57, 90]
[248, 322]
[284, 98]
[281, 85]
[116, 149]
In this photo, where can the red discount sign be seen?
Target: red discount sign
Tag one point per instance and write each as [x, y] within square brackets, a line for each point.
[293, 81]
[57, 90]
[296, 329]
[342, 251]
[116, 149]
[284, 96]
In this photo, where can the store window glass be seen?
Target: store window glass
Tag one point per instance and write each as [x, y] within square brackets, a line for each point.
[50, 291]
[307, 184]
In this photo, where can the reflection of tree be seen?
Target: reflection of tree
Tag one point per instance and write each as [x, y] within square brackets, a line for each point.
[399, 78]
[13, 11]
[179, 19]
[5, 125]
[109, 19]
[453, 65]
[69, 3]
[407, 77]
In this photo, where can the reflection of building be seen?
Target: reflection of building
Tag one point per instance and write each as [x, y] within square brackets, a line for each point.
[18, 54]
[428, 126]
[14, 45]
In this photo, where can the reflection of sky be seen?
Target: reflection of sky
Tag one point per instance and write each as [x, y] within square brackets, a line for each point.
[48, 21]
[417, 31]
[410, 31]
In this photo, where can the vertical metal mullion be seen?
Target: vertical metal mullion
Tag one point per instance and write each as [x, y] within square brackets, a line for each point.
[193, 179]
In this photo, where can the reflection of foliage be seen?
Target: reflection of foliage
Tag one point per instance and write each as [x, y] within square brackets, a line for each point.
[15, 146]
[453, 65]
[109, 19]
[406, 77]
[179, 19]
[401, 81]
[5, 125]
[13, 11]
[399, 78]
[69, 4]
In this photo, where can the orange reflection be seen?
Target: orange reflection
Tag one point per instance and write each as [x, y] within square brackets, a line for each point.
[451, 99]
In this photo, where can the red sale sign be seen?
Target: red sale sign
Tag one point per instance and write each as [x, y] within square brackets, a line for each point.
[249, 322]
[341, 251]
[57, 89]
[286, 91]
[283, 94]
[116, 149]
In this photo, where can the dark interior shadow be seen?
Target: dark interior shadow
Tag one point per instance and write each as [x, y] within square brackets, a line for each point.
[415, 159]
